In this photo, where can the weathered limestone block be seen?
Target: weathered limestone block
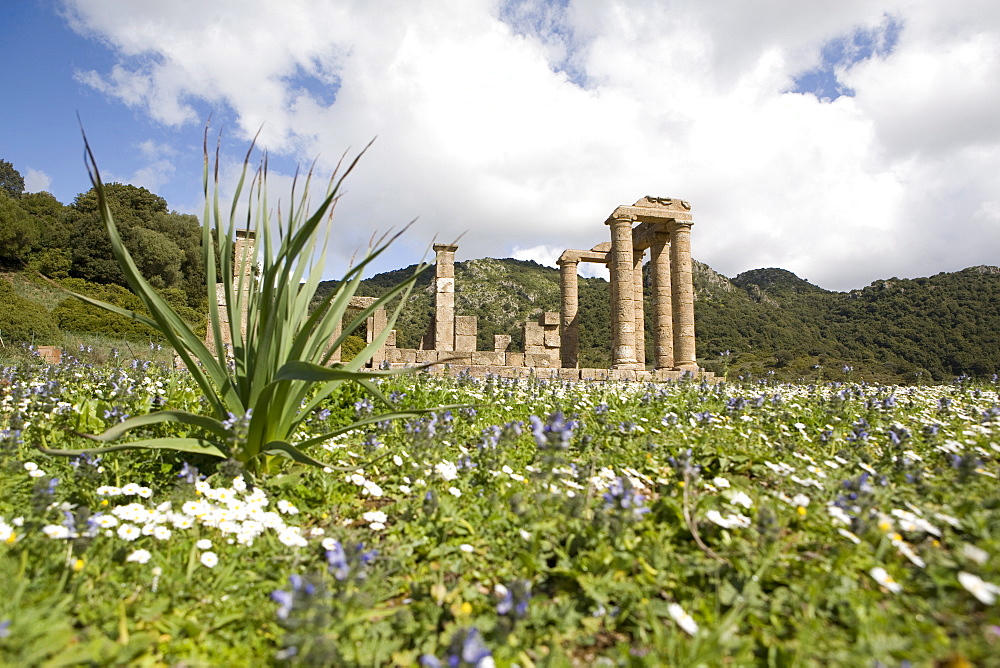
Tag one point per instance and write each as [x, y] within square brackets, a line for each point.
[426, 356]
[390, 341]
[488, 358]
[551, 338]
[401, 356]
[456, 359]
[466, 327]
[569, 374]
[501, 342]
[539, 360]
[550, 319]
[50, 354]
[534, 335]
[515, 359]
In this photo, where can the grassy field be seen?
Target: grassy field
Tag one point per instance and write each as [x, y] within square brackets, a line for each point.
[544, 524]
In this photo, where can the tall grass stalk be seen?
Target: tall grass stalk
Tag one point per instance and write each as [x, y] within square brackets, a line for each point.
[279, 369]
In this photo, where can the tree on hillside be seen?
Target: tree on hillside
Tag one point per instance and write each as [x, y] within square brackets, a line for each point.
[131, 207]
[50, 254]
[166, 246]
[18, 231]
[11, 181]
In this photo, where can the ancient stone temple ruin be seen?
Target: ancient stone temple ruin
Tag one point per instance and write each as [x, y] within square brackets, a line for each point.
[659, 225]
[664, 228]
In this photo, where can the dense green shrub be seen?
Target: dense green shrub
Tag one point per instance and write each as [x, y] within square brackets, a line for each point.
[73, 315]
[22, 320]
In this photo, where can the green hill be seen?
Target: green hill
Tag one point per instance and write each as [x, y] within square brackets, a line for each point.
[763, 323]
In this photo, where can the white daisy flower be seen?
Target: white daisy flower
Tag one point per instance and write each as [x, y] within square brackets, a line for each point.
[986, 592]
[129, 532]
[683, 619]
[139, 556]
[881, 576]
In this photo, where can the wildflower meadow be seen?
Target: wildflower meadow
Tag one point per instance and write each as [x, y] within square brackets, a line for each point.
[532, 523]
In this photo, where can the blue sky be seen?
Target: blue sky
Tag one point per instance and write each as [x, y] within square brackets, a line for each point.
[846, 142]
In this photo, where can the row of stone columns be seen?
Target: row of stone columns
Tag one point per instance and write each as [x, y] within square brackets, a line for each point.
[665, 229]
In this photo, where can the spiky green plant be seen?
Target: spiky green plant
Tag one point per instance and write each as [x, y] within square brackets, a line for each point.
[279, 369]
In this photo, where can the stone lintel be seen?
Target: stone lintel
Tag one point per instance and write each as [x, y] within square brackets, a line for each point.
[361, 303]
[600, 257]
[645, 214]
[645, 235]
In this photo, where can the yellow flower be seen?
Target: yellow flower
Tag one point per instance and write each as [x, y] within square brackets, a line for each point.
[104, 502]
[78, 565]
[801, 510]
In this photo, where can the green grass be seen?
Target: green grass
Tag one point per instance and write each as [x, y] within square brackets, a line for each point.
[750, 510]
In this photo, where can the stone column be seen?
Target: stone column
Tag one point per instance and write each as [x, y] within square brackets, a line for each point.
[444, 299]
[638, 300]
[659, 278]
[244, 257]
[622, 282]
[682, 293]
[569, 323]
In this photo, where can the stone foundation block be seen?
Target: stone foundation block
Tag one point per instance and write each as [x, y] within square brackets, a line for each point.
[466, 325]
[515, 359]
[539, 360]
[50, 354]
[534, 335]
[425, 356]
[455, 359]
[488, 358]
[465, 343]
[401, 356]
[569, 374]
[501, 342]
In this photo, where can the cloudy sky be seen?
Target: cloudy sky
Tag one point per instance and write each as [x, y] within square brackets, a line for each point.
[845, 141]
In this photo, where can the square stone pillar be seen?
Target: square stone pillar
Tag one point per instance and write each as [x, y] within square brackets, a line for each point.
[244, 256]
[338, 328]
[682, 293]
[444, 297]
[621, 260]
[374, 325]
[659, 278]
[466, 330]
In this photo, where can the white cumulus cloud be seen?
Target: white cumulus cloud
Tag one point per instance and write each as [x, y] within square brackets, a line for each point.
[523, 124]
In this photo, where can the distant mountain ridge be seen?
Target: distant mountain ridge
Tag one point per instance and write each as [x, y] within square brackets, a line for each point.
[764, 322]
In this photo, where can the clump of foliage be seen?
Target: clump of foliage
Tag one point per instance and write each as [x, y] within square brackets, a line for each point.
[24, 321]
[282, 343]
